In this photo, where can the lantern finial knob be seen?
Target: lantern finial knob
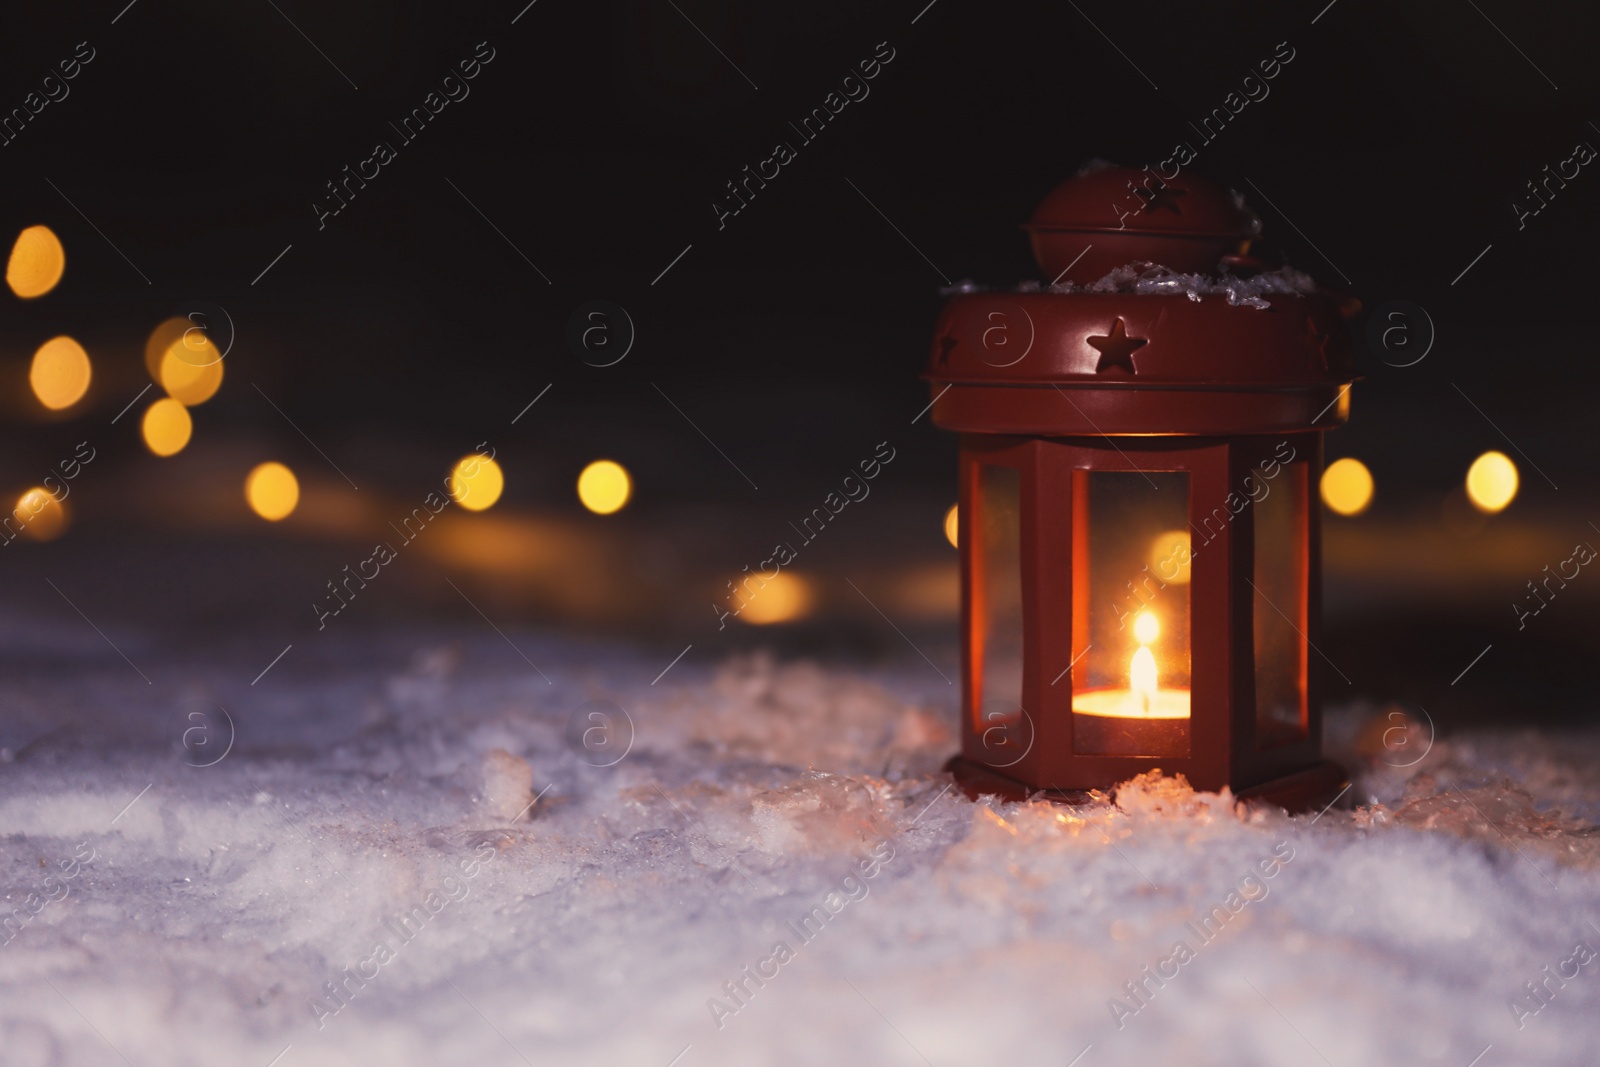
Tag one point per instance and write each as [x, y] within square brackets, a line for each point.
[1106, 217]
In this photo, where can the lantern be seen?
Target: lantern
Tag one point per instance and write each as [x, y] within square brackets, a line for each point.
[1140, 450]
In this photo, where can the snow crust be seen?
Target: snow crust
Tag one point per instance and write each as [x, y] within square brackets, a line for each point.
[777, 873]
[1153, 279]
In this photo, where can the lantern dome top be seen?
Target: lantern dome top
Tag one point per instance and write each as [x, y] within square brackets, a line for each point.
[1110, 216]
[1151, 320]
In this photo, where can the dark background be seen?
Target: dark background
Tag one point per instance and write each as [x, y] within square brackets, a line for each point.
[408, 329]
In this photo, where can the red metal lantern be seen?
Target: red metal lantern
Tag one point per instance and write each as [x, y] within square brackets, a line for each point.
[1140, 452]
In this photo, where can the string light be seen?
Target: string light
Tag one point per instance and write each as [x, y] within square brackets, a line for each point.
[37, 262]
[60, 373]
[1347, 486]
[166, 427]
[191, 369]
[1492, 482]
[781, 598]
[604, 487]
[272, 491]
[476, 482]
[39, 515]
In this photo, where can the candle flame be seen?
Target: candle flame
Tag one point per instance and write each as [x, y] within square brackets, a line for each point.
[1146, 627]
[1142, 679]
[1142, 668]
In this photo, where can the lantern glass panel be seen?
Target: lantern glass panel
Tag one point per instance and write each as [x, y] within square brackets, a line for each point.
[1279, 612]
[1130, 626]
[997, 597]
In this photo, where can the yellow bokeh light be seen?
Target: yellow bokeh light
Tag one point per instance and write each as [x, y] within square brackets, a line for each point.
[1347, 486]
[952, 525]
[168, 333]
[781, 598]
[476, 482]
[40, 515]
[37, 262]
[1492, 482]
[1168, 558]
[191, 369]
[272, 490]
[604, 487]
[166, 427]
[1146, 627]
[60, 373]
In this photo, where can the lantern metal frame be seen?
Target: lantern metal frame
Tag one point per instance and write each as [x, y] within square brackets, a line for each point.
[1101, 374]
[1224, 749]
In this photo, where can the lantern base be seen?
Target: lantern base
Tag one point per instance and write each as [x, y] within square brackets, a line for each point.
[1312, 789]
[976, 780]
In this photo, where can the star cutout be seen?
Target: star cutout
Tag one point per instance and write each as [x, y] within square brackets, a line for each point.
[946, 344]
[1161, 198]
[1116, 348]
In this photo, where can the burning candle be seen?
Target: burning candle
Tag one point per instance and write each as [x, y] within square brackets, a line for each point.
[1142, 719]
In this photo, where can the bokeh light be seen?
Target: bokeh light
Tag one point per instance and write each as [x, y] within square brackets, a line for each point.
[476, 482]
[40, 515]
[952, 525]
[166, 427]
[37, 262]
[1168, 558]
[168, 333]
[1347, 486]
[782, 598]
[191, 369]
[60, 373]
[604, 487]
[272, 490]
[1492, 482]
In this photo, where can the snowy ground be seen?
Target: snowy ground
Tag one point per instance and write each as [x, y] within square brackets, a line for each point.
[375, 778]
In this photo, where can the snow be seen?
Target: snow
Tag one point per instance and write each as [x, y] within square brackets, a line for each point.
[1148, 279]
[1152, 279]
[507, 785]
[779, 830]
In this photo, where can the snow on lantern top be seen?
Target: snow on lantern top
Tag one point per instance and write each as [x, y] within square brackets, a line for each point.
[1107, 216]
[1153, 322]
